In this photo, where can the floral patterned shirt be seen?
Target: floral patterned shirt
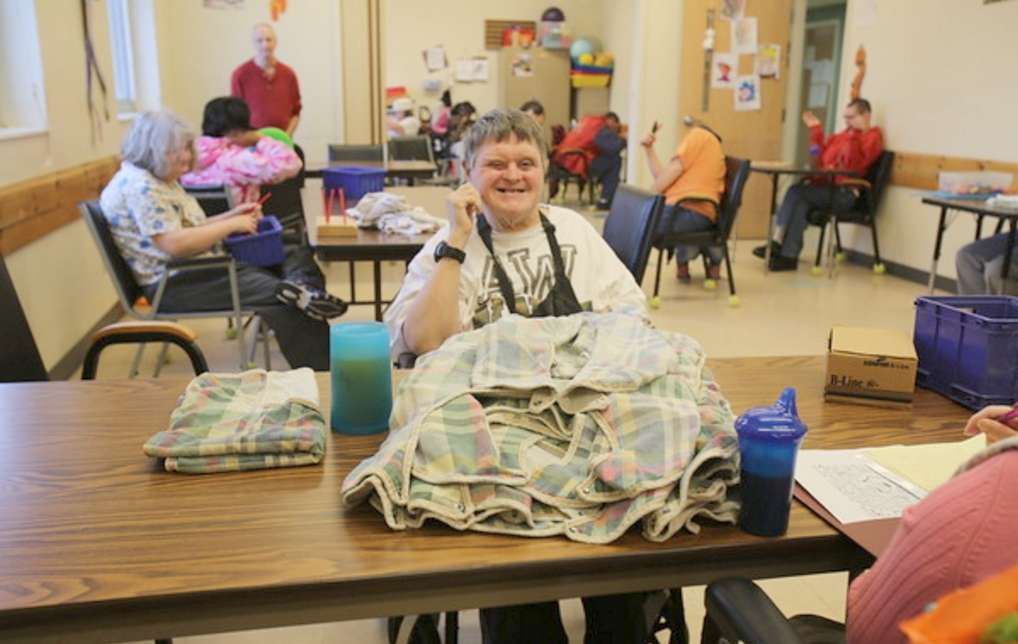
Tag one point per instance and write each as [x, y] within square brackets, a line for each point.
[139, 206]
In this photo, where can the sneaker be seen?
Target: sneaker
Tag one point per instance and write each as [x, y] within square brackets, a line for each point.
[713, 271]
[603, 205]
[682, 272]
[314, 303]
[781, 263]
[761, 251]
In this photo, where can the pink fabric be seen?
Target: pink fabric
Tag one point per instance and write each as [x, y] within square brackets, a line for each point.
[241, 170]
[961, 533]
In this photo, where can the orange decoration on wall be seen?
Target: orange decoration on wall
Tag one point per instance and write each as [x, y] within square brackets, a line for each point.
[276, 8]
[860, 63]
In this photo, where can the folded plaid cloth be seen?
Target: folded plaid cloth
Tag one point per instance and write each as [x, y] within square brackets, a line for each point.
[243, 421]
[579, 426]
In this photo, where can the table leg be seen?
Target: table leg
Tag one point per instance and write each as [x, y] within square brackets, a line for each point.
[353, 283]
[378, 290]
[1007, 256]
[936, 249]
[979, 227]
[770, 223]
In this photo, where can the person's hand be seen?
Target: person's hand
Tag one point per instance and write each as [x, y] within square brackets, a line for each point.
[463, 205]
[810, 119]
[985, 421]
[648, 141]
[244, 138]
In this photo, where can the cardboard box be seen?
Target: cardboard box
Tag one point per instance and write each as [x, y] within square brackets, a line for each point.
[870, 367]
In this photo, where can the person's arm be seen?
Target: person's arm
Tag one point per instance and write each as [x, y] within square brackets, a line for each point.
[609, 143]
[292, 125]
[295, 118]
[985, 421]
[664, 175]
[235, 87]
[433, 316]
[194, 240]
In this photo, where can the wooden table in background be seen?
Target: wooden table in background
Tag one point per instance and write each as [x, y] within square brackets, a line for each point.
[980, 209]
[98, 543]
[370, 245]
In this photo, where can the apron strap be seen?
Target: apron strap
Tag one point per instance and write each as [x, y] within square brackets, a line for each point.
[505, 285]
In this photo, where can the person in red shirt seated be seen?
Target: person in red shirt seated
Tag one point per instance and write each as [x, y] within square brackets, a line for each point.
[854, 149]
[268, 86]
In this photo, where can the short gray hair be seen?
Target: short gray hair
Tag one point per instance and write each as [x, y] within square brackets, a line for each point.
[153, 137]
[497, 126]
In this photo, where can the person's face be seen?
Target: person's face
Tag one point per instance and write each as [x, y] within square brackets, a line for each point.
[612, 124]
[538, 118]
[856, 119]
[180, 162]
[509, 176]
[264, 42]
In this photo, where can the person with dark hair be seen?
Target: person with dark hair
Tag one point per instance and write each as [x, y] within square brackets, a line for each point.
[606, 166]
[268, 86]
[534, 108]
[232, 154]
[854, 149]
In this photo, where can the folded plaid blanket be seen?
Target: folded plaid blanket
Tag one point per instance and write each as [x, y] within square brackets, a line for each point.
[243, 421]
[579, 425]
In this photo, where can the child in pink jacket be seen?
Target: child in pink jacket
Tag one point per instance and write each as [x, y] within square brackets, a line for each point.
[232, 154]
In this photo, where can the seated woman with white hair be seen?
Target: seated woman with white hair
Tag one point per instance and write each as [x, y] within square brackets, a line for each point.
[153, 221]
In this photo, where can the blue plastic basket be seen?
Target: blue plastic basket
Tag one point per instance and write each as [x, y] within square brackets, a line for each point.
[263, 248]
[968, 348]
[354, 180]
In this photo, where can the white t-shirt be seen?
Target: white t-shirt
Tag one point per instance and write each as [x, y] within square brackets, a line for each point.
[601, 282]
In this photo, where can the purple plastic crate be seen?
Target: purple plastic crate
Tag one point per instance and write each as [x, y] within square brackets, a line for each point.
[355, 181]
[968, 348]
[263, 248]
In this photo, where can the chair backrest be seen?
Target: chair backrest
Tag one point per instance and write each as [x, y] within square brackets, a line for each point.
[123, 279]
[878, 176]
[19, 356]
[736, 174]
[630, 224]
[410, 148]
[355, 152]
[213, 199]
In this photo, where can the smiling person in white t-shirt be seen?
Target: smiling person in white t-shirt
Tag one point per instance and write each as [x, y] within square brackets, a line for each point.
[504, 253]
[457, 283]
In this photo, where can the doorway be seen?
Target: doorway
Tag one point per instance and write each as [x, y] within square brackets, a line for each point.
[821, 66]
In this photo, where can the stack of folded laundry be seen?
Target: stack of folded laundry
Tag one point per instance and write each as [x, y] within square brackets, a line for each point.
[392, 213]
[243, 421]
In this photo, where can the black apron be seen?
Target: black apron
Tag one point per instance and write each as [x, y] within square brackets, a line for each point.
[561, 300]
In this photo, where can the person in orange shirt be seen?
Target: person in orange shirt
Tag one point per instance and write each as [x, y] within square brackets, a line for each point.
[695, 171]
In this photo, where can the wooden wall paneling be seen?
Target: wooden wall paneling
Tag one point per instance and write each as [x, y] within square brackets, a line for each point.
[920, 171]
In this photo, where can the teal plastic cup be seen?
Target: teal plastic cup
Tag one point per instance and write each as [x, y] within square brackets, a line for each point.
[361, 377]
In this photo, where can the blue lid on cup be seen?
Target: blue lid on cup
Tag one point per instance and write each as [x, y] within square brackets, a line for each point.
[779, 421]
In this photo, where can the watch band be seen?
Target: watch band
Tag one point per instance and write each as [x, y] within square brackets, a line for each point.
[444, 250]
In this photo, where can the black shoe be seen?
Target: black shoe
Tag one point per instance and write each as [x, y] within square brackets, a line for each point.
[761, 251]
[603, 205]
[314, 303]
[781, 263]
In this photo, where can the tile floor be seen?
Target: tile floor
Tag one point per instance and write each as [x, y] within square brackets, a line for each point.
[779, 314]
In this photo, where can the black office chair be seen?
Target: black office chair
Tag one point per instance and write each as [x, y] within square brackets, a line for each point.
[214, 199]
[19, 355]
[411, 148]
[630, 226]
[864, 212]
[737, 610]
[736, 173]
[128, 291]
[370, 153]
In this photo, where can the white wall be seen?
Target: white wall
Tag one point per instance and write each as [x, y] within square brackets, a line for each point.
[940, 77]
[199, 48]
[411, 27]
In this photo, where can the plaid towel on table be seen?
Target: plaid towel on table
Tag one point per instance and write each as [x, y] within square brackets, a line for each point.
[243, 421]
[579, 425]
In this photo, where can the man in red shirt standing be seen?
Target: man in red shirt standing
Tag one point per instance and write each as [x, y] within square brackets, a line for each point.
[268, 86]
[854, 149]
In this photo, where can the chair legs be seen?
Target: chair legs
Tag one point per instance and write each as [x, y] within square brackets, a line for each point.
[878, 266]
[733, 299]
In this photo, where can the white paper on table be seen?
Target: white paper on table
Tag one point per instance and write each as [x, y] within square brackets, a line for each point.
[818, 95]
[854, 487]
[744, 36]
[434, 58]
[724, 69]
[929, 465]
[747, 92]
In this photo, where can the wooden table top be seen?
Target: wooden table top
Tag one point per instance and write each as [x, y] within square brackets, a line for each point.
[98, 542]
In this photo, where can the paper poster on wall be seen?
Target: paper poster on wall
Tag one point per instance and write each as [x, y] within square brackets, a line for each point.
[732, 9]
[744, 36]
[479, 66]
[464, 70]
[434, 58]
[768, 61]
[523, 65]
[747, 93]
[724, 69]
[818, 94]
